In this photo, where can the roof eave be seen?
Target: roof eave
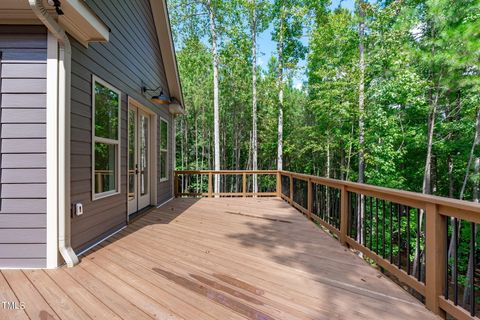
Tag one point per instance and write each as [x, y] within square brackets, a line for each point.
[165, 39]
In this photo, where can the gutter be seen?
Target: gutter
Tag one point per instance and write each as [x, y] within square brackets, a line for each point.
[63, 130]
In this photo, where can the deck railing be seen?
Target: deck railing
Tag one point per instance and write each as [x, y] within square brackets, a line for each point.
[427, 243]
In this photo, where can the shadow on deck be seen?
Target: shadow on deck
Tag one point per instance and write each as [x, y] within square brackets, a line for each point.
[226, 258]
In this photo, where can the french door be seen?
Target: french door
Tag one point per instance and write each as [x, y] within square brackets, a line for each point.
[139, 175]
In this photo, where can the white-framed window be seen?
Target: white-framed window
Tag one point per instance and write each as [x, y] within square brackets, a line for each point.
[163, 150]
[106, 105]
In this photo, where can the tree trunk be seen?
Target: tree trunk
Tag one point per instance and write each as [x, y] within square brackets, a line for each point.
[254, 95]
[216, 110]
[327, 189]
[198, 177]
[280, 92]
[476, 140]
[451, 190]
[350, 150]
[182, 156]
[361, 94]
[361, 115]
[204, 141]
[471, 267]
[427, 173]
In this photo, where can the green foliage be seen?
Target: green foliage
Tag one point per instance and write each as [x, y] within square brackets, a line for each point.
[417, 52]
[420, 56]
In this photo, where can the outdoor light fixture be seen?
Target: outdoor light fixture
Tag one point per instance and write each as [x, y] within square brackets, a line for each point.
[162, 98]
[57, 5]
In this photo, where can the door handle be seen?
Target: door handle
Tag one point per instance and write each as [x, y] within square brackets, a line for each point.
[136, 169]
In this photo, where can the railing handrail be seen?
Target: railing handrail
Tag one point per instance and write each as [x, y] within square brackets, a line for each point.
[445, 202]
[226, 171]
[401, 196]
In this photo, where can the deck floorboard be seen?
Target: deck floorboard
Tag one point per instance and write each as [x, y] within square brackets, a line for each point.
[213, 258]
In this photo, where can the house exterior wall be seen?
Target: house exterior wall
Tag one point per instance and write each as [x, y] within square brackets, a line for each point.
[23, 55]
[131, 59]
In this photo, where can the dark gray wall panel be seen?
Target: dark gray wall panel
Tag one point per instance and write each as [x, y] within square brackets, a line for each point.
[130, 60]
[16, 41]
[23, 146]
[24, 56]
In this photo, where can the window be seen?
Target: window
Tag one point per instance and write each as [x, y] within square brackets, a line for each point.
[106, 139]
[163, 150]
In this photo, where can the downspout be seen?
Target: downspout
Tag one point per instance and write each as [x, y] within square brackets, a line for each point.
[63, 129]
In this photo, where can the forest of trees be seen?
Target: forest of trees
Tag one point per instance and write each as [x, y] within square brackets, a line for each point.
[391, 92]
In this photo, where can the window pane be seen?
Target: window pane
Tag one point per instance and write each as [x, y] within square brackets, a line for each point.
[144, 130]
[105, 167]
[132, 130]
[106, 112]
[163, 165]
[163, 134]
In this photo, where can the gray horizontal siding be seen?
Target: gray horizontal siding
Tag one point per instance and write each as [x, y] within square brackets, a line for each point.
[23, 85]
[24, 176]
[29, 100]
[128, 61]
[26, 220]
[24, 116]
[25, 41]
[18, 191]
[22, 235]
[24, 55]
[22, 251]
[24, 160]
[25, 262]
[23, 146]
[24, 205]
[24, 70]
[24, 130]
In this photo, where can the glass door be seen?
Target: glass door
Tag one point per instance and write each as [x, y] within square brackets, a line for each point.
[138, 159]
[144, 159]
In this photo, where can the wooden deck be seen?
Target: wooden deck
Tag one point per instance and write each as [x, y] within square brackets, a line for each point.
[228, 258]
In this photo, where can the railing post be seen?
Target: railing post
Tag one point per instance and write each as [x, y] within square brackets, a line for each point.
[175, 185]
[290, 200]
[435, 258]
[309, 198]
[279, 184]
[210, 184]
[244, 184]
[343, 215]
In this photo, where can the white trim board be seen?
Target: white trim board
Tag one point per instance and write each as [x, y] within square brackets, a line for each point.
[52, 151]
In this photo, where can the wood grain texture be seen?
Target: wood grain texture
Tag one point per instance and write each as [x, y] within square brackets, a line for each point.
[195, 259]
